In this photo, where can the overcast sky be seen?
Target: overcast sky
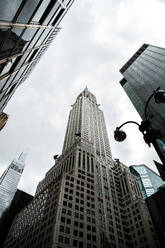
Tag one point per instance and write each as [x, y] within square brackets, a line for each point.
[96, 39]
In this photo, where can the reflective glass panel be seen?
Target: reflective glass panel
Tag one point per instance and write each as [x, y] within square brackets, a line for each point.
[19, 73]
[66, 2]
[2, 83]
[9, 46]
[3, 32]
[27, 11]
[27, 36]
[5, 67]
[9, 81]
[35, 38]
[51, 13]
[8, 9]
[40, 10]
[57, 16]
[2, 103]
[41, 39]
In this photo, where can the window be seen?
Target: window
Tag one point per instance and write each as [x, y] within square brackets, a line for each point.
[65, 196]
[68, 221]
[33, 54]
[8, 9]
[80, 244]
[76, 207]
[69, 212]
[75, 232]
[88, 219]
[81, 216]
[61, 228]
[64, 211]
[67, 230]
[75, 243]
[93, 220]
[88, 227]
[76, 215]
[47, 11]
[81, 209]
[94, 238]
[81, 225]
[60, 239]
[88, 236]
[56, 19]
[66, 240]
[75, 223]
[62, 219]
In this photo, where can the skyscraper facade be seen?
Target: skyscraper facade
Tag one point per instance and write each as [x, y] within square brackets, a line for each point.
[9, 181]
[149, 181]
[19, 201]
[86, 199]
[143, 73]
[27, 28]
[3, 120]
[155, 205]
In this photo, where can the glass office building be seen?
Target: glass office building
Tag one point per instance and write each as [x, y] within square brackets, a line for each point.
[148, 180]
[143, 73]
[27, 27]
[9, 181]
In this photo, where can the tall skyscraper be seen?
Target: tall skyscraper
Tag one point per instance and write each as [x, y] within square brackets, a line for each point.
[9, 181]
[27, 27]
[86, 199]
[149, 181]
[143, 73]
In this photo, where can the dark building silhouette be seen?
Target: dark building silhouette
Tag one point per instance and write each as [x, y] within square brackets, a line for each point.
[156, 206]
[27, 28]
[20, 200]
[143, 73]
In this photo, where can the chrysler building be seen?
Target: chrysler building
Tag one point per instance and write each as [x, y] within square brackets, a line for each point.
[86, 199]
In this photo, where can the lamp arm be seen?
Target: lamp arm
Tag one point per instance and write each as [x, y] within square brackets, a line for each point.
[127, 123]
[146, 106]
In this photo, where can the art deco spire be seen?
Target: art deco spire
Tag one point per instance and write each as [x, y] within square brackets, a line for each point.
[87, 119]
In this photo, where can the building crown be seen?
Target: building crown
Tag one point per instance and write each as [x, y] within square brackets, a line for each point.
[86, 93]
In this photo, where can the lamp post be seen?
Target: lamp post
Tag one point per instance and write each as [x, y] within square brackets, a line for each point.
[150, 135]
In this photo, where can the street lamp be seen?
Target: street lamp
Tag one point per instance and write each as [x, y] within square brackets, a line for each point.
[150, 135]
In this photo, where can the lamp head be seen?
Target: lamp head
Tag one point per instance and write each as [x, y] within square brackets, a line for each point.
[119, 135]
[159, 96]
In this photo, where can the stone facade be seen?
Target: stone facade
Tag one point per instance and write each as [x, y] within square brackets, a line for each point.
[86, 199]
